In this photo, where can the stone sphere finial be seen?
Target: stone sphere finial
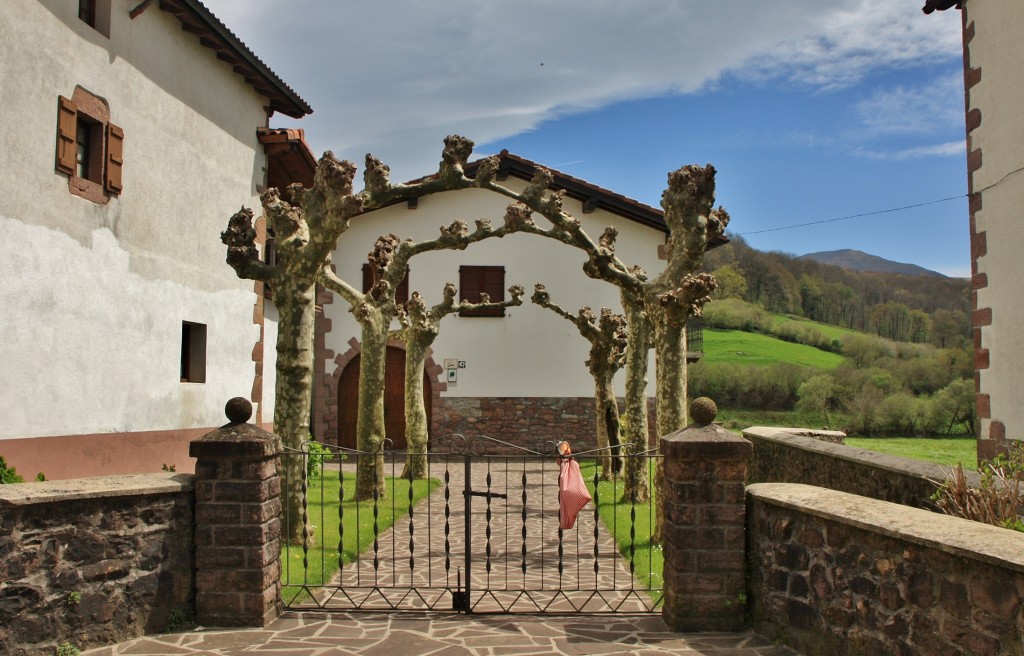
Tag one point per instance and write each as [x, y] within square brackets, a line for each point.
[703, 410]
[238, 410]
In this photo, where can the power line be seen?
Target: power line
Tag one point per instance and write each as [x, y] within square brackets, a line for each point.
[877, 212]
[852, 216]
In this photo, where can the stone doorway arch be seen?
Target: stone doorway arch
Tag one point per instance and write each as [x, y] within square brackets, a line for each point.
[345, 393]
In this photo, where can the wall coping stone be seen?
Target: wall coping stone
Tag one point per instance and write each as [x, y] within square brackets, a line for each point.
[960, 537]
[849, 453]
[706, 440]
[236, 440]
[43, 492]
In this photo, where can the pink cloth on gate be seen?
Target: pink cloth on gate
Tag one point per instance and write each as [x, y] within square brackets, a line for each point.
[572, 492]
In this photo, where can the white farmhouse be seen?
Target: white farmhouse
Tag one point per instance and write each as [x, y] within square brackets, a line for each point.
[132, 131]
[518, 375]
[994, 92]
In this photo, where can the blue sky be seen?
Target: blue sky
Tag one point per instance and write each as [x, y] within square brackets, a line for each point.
[809, 109]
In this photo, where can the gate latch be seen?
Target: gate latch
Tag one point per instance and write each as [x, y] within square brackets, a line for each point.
[492, 495]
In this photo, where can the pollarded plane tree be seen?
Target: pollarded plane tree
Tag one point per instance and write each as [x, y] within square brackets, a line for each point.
[375, 311]
[655, 308]
[420, 326]
[306, 224]
[607, 337]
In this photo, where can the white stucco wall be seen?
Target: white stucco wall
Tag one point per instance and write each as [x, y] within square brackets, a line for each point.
[999, 51]
[93, 295]
[531, 351]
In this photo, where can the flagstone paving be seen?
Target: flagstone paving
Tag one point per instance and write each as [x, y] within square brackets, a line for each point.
[426, 633]
[447, 634]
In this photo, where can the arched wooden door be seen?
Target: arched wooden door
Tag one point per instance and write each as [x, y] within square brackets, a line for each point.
[394, 400]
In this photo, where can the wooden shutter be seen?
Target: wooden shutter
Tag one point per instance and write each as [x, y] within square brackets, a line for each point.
[115, 159]
[476, 279]
[67, 132]
[401, 294]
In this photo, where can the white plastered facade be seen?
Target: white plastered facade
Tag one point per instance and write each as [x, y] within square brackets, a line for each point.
[94, 294]
[997, 51]
[530, 352]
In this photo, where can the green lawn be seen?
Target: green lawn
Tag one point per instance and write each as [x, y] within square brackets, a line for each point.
[738, 347]
[940, 450]
[646, 558]
[322, 556]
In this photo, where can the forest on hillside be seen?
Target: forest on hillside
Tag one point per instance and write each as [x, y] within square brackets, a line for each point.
[906, 365]
[898, 307]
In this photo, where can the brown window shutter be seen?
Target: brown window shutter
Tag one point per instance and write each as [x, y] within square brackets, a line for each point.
[115, 158]
[367, 277]
[401, 294]
[476, 279]
[67, 126]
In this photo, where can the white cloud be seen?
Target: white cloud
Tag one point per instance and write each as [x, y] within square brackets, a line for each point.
[395, 77]
[951, 148]
[924, 109]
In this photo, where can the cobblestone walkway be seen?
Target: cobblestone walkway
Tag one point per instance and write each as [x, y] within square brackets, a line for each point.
[436, 634]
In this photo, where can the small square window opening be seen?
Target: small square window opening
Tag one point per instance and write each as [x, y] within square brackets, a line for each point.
[193, 352]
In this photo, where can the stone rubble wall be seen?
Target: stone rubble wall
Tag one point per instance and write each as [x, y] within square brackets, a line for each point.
[840, 575]
[782, 457]
[94, 561]
[524, 421]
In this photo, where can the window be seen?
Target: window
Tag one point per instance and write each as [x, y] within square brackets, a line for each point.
[474, 280]
[401, 294]
[95, 14]
[87, 12]
[270, 258]
[193, 352]
[90, 149]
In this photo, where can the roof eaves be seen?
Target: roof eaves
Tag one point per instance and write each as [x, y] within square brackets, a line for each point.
[213, 34]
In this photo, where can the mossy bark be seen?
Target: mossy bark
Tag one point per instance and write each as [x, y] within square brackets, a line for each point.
[636, 435]
[370, 410]
[293, 392]
[417, 430]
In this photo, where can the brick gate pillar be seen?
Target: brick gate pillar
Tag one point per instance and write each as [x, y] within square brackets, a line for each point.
[703, 536]
[238, 525]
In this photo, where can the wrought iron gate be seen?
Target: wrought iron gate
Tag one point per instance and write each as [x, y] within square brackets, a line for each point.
[486, 538]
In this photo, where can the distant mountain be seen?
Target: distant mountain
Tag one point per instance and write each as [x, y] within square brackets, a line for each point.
[855, 260]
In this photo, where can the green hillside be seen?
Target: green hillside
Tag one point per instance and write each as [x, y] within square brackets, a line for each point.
[738, 347]
[833, 332]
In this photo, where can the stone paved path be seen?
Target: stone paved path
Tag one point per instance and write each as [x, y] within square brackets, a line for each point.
[446, 634]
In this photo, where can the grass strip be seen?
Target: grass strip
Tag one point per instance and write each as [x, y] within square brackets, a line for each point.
[940, 450]
[356, 521]
[629, 524]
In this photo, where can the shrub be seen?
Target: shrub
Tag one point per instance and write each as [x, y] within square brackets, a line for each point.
[746, 386]
[8, 474]
[997, 500]
[734, 314]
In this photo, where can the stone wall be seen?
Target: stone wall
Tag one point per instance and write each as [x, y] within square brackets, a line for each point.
[93, 561]
[840, 575]
[525, 421]
[781, 457]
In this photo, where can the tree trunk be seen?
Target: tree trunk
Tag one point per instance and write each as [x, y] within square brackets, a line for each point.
[638, 344]
[370, 414]
[607, 427]
[293, 391]
[416, 428]
[670, 382]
